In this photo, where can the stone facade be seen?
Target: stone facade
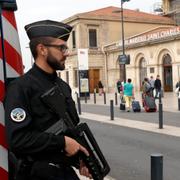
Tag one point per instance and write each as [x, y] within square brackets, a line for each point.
[103, 63]
[171, 8]
[152, 47]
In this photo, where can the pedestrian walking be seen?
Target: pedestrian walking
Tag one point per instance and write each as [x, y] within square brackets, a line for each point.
[177, 90]
[146, 87]
[100, 88]
[157, 86]
[148, 100]
[152, 81]
[119, 86]
[128, 94]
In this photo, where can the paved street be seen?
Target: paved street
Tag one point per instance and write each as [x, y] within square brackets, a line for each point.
[128, 151]
[169, 101]
[132, 137]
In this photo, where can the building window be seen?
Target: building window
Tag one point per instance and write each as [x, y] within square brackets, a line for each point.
[151, 70]
[142, 70]
[92, 38]
[167, 60]
[74, 39]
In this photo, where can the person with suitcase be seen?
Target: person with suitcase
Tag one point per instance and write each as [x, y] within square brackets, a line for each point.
[122, 102]
[128, 94]
[147, 99]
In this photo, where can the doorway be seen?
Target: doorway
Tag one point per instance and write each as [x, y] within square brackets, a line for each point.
[94, 77]
[167, 73]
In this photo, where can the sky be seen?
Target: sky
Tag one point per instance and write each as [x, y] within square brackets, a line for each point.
[34, 10]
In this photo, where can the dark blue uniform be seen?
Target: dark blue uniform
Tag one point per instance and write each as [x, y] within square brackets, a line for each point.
[27, 118]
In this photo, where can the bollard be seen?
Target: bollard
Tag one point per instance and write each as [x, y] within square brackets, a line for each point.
[85, 97]
[160, 113]
[79, 105]
[104, 97]
[116, 102]
[179, 103]
[160, 98]
[111, 109]
[156, 167]
[94, 97]
[160, 116]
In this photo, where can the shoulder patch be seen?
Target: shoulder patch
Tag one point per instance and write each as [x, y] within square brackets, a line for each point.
[18, 114]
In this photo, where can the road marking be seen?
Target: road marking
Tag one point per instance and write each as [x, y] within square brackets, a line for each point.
[145, 126]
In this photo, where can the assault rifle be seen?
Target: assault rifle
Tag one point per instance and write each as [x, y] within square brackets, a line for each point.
[95, 162]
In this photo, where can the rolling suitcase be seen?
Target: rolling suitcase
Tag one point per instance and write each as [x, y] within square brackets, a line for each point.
[122, 106]
[136, 106]
[149, 104]
[122, 103]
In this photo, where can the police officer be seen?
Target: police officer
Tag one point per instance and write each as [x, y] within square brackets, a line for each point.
[27, 118]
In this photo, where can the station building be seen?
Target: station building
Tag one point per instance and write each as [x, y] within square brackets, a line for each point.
[152, 41]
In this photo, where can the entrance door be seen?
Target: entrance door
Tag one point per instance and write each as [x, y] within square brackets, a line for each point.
[93, 79]
[168, 79]
[168, 84]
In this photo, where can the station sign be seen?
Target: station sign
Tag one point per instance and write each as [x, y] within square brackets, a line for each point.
[124, 59]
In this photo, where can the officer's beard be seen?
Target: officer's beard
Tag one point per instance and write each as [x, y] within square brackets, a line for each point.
[55, 63]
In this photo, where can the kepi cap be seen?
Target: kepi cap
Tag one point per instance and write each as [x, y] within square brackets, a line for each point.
[48, 28]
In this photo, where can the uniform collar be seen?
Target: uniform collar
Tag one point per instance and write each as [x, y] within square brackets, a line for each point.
[49, 76]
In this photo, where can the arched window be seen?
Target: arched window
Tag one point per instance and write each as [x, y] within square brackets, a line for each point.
[166, 60]
[167, 72]
[142, 70]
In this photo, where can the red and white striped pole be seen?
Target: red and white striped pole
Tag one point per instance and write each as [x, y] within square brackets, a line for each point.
[10, 67]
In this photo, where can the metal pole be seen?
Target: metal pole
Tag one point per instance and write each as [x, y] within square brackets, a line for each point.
[122, 27]
[112, 109]
[79, 105]
[116, 98]
[178, 103]
[123, 44]
[85, 97]
[94, 97]
[104, 97]
[160, 116]
[156, 167]
[160, 113]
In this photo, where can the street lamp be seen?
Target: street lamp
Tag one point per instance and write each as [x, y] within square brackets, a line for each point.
[123, 47]
[123, 58]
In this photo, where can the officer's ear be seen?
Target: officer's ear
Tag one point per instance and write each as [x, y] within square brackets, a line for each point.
[41, 50]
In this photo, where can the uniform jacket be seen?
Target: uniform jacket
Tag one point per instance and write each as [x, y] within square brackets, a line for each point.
[26, 135]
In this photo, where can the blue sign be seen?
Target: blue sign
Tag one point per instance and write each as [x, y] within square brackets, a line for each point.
[7, 1]
[124, 59]
[8, 5]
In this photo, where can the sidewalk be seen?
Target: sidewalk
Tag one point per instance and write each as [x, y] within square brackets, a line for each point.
[169, 101]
